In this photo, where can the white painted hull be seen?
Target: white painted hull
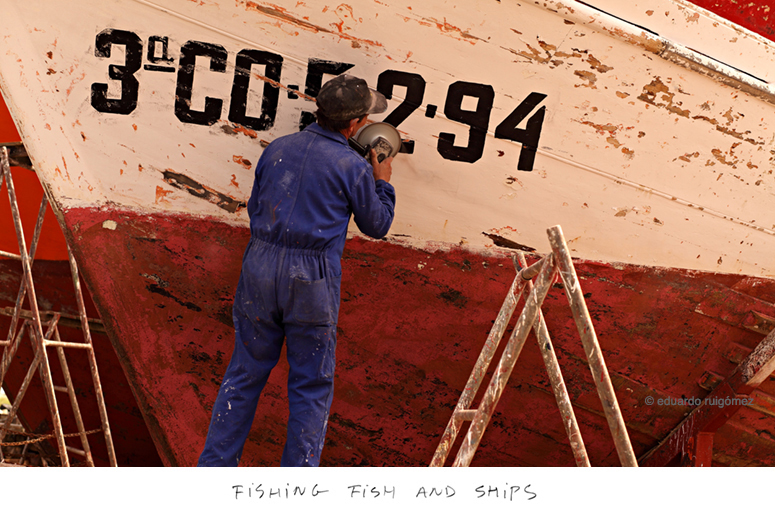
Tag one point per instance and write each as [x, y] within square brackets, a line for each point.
[640, 159]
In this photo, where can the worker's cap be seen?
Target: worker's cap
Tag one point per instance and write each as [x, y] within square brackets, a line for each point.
[347, 97]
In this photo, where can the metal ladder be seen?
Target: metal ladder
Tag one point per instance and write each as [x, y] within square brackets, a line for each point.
[33, 324]
[544, 271]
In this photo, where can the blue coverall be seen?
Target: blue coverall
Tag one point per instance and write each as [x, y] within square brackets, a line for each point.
[306, 187]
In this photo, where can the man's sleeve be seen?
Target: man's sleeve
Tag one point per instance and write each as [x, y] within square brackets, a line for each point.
[253, 200]
[373, 204]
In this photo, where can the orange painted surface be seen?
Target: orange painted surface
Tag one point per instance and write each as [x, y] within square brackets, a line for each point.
[29, 194]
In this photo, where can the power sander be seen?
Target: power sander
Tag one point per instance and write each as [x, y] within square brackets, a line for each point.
[383, 138]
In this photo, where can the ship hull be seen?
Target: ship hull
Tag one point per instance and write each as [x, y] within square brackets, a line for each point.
[412, 323]
[144, 120]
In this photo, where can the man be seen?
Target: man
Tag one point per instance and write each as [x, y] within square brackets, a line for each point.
[306, 187]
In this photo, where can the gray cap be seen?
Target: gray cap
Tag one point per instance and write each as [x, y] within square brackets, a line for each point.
[347, 97]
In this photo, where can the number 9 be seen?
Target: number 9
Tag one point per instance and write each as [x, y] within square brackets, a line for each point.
[478, 120]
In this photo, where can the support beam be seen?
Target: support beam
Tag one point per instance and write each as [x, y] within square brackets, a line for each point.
[717, 408]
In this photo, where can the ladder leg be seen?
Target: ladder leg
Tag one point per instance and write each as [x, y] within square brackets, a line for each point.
[95, 374]
[479, 371]
[74, 402]
[35, 238]
[39, 341]
[506, 364]
[592, 349]
[558, 384]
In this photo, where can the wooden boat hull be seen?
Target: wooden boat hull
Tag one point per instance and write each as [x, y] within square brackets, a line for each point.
[654, 158]
[411, 325]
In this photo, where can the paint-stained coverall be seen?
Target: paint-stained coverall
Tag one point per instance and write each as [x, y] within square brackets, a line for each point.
[306, 187]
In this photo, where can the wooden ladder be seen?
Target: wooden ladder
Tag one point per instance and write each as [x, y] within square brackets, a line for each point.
[544, 271]
[33, 324]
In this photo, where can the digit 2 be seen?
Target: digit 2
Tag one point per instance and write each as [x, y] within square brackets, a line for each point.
[415, 90]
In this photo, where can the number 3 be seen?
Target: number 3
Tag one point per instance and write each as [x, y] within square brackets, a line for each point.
[125, 73]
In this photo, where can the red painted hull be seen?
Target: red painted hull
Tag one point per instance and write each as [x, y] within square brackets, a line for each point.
[411, 326]
[754, 16]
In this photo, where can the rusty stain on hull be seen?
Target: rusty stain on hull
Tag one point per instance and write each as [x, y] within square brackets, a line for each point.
[283, 16]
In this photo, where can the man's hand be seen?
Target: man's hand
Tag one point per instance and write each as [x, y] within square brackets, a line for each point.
[383, 170]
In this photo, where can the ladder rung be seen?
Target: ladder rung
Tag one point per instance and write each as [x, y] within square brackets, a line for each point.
[14, 428]
[75, 451]
[532, 271]
[10, 255]
[57, 344]
[466, 414]
[61, 389]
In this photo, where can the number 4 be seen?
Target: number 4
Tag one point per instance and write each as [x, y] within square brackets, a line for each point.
[528, 137]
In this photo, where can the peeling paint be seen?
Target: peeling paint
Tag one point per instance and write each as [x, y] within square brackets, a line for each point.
[283, 16]
[588, 76]
[651, 95]
[500, 241]
[595, 64]
[193, 187]
[230, 128]
[245, 163]
[161, 194]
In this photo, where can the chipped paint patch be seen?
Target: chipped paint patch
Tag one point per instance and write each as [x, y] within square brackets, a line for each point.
[230, 128]
[186, 183]
[161, 194]
[596, 64]
[611, 130]
[687, 157]
[658, 94]
[590, 77]
[239, 159]
[500, 241]
[109, 224]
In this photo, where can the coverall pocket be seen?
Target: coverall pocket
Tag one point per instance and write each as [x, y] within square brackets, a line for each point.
[311, 302]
